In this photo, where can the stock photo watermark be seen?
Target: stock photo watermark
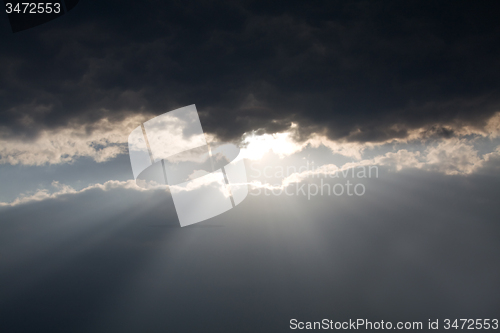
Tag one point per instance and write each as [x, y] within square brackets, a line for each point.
[205, 179]
[310, 181]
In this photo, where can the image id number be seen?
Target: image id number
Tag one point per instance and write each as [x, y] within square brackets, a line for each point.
[33, 8]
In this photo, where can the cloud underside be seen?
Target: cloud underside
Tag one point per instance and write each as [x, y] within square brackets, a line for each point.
[335, 69]
[105, 140]
[450, 157]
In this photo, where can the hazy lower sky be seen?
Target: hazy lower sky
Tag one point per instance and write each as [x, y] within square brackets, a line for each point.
[396, 104]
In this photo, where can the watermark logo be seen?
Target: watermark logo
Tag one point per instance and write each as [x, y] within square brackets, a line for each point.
[205, 179]
[310, 181]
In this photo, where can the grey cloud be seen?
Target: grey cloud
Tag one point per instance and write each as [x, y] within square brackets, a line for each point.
[114, 261]
[343, 68]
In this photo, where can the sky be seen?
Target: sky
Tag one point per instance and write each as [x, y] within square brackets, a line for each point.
[370, 133]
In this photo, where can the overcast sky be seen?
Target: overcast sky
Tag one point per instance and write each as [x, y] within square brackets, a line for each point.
[314, 93]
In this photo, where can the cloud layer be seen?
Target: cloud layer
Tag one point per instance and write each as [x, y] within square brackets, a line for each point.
[413, 248]
[361, 71]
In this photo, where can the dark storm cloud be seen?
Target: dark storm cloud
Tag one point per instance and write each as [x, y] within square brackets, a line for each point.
[338, 67]
[114, 261]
